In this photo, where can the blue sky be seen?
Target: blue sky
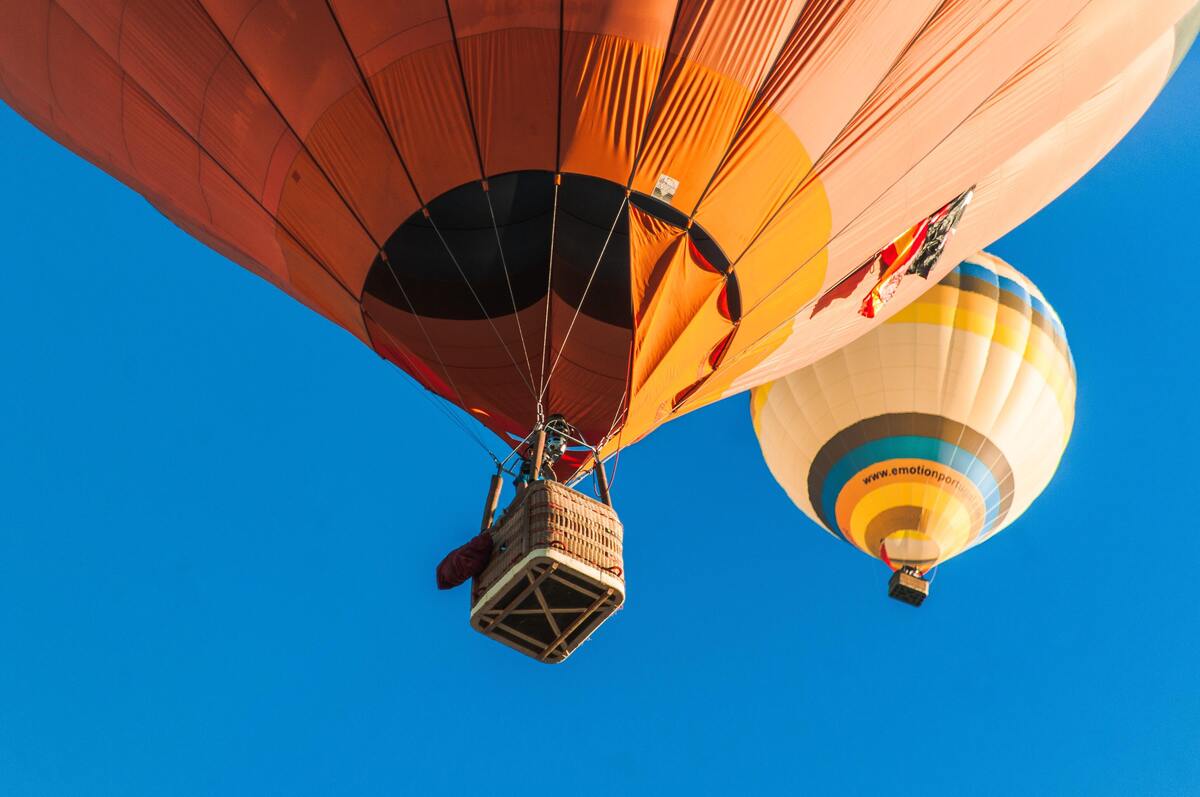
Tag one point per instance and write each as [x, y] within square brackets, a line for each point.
[214, 579]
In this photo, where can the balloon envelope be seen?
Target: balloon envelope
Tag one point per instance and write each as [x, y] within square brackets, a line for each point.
[616, 211]
[935, 430]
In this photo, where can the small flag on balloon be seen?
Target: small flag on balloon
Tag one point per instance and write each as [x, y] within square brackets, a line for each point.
[915, 251]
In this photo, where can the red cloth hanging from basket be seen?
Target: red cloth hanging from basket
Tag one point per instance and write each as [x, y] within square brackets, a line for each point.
[465, 562]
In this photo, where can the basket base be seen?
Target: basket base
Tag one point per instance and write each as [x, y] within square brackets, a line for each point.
[547, 605]
[907, 586]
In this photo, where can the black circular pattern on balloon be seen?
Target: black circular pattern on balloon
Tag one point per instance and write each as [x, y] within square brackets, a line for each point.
[523, 203]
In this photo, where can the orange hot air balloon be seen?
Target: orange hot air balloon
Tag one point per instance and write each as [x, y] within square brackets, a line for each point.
[615, 211]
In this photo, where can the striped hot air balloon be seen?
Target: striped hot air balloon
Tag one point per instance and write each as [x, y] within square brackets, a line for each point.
[934, 431]
[612, 210]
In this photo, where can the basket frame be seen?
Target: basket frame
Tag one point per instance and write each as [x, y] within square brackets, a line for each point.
[551, 543]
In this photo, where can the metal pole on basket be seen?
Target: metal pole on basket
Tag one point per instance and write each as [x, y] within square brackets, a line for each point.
[493, 501]
[539, 452]
[602, 480]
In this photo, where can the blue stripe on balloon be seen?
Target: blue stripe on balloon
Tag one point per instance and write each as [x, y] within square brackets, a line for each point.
[1012, 287]
[911, 447]
[979, 272]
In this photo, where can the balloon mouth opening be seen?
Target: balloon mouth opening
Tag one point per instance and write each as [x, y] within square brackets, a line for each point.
[908, 547]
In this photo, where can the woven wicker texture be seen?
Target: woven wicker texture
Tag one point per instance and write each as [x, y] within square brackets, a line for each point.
[552, 515]
[547, 548]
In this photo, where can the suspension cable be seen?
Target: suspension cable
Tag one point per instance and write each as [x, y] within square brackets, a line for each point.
[508, 281]
[549, 300]
[588, 287]
[478, 301]
[433, 397]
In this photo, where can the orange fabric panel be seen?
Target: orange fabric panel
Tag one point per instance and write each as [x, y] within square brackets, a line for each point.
[668, 290]
[102, 19]
[382, 33]
[468, 359]
[166, 160]
[407, 53]
[512, 80]
[237, 218]
[645, 21]
[228, 15]
[961, 57]
[718, 57]
[317, 216]
[1035, 176]
[350, 142]
[295, 52]
[239, 126]
[172, 50]
[677, 323]
[312, 285]
[683, 365]
[86, 87]
[608, 84]
[612, 57]
[421, 98]
[480, 17]
[1098, 43]
[25, 71]
[240, 129]
[590, 377]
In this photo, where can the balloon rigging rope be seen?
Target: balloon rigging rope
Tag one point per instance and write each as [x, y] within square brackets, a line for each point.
[549, 300]
[431, 396]
[588, 287]
[508, 281]
[478, 301]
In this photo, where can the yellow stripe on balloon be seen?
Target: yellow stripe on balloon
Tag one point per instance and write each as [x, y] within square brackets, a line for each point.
[855, 489]
[1030, 342]
[957, 510]
[951, 527]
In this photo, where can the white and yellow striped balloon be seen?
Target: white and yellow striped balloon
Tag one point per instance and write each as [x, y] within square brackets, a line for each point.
[936, 429]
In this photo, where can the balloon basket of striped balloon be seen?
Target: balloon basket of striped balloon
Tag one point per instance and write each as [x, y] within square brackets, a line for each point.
[907, 586]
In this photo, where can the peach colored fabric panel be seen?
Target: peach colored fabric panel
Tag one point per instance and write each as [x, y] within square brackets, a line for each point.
[1003, 199]
[837, 54]
[965, 53]
[966, 154]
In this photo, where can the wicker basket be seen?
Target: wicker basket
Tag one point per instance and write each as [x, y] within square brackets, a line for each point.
[907, 586]
[555, 574]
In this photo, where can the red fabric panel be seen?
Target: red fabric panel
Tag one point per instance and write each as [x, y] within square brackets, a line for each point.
[844, 289]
